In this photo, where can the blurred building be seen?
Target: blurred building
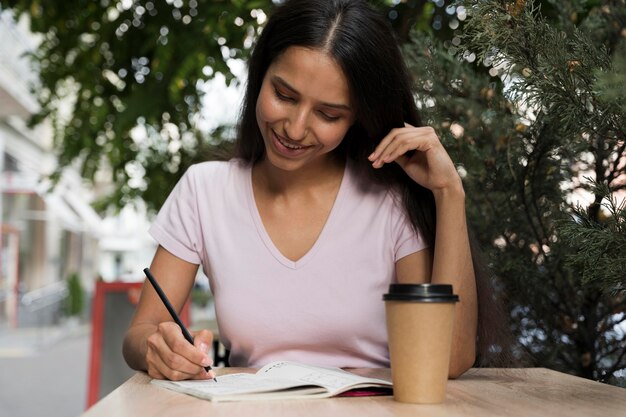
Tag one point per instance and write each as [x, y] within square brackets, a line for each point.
[126, 248]
[47, 233]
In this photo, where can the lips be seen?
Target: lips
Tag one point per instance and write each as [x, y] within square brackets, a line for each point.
[287, 147]
[287, 144]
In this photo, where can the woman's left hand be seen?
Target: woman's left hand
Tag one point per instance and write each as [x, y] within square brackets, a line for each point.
[430, 166]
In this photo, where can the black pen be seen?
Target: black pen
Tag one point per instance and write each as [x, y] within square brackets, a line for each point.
[169, 307]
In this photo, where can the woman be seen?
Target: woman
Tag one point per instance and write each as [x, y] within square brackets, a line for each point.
[332, 195]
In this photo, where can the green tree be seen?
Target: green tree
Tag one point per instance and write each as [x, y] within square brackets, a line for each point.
[110, 68]
[520, 103]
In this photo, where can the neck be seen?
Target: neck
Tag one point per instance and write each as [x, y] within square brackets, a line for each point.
[279, 181]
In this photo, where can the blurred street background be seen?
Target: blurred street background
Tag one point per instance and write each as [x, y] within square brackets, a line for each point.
[44, 371]
[58, 255]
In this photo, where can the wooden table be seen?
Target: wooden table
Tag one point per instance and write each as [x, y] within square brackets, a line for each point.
[479, 392]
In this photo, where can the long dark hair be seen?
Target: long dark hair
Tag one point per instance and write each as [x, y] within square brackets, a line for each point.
[362, 42]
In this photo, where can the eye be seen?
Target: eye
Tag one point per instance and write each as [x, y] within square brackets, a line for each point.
[282, 96]
[328, 117]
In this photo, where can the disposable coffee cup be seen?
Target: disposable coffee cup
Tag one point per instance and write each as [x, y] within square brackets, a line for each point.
[419, 327]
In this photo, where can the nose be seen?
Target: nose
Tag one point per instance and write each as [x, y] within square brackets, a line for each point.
[296, 127]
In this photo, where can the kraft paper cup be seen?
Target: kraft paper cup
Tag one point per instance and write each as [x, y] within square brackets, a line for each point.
[419, 326]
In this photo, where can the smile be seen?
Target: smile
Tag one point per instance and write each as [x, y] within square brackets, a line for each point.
[288, 144]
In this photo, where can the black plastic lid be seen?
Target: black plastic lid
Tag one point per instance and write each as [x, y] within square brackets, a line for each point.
[421, 293]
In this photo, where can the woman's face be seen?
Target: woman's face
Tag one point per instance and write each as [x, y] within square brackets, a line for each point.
[304, 108]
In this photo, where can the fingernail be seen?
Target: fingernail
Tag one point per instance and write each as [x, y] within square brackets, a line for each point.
[204, 347]
[206, 361]
[371, 157]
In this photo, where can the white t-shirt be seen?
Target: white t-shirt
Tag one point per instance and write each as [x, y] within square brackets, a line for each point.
[324, 309]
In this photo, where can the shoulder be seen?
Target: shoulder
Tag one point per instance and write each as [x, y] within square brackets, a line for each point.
[216, 168]
[213, 173]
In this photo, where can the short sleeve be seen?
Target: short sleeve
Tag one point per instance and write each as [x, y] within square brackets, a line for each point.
[176, 226]
[406, 240]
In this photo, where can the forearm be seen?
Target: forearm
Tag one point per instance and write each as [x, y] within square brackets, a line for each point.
[452, 264]
[176, 278]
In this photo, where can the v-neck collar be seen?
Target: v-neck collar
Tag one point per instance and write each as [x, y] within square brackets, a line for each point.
[326, 230]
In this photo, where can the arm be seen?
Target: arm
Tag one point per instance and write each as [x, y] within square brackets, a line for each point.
[450, 260]
[451, 264]
[153, 342]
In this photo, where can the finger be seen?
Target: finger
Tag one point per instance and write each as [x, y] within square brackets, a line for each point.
[174, 350]
[159, 368]
[192, 371]
[419, 169]
[154, 373]
[425, 132]
[203, 336]
[187, 357]
[384, 143]
[203, 339]
[403, 143]
[205, 375]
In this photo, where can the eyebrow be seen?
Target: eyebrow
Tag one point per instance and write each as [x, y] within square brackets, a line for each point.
[285, 84]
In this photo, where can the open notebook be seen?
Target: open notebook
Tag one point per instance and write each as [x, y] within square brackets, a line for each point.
[280, 381]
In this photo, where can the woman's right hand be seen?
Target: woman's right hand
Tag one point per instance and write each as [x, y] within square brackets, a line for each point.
[155, 344]
[170, 356]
